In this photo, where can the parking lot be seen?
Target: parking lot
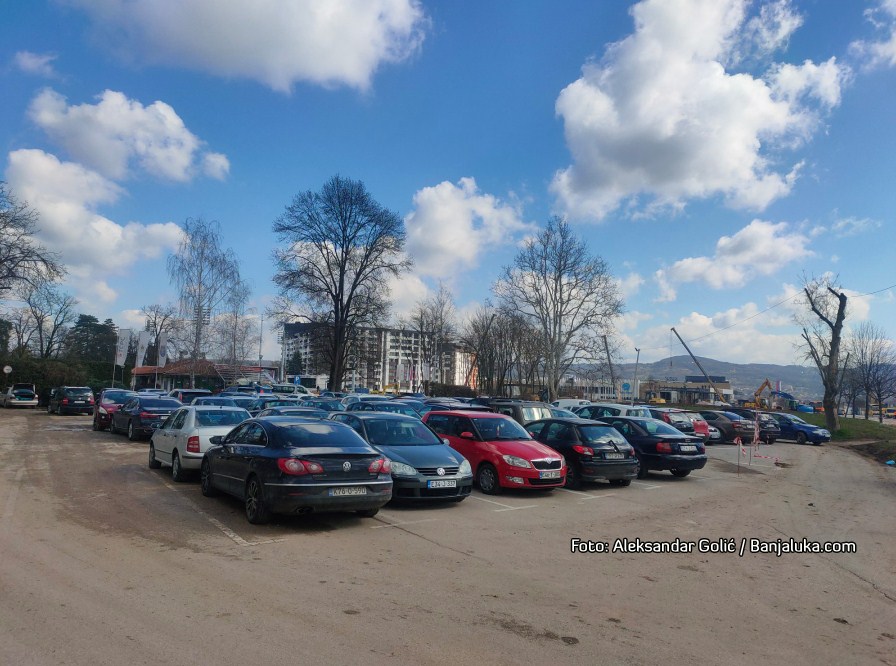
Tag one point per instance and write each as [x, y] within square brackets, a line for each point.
[107, 561]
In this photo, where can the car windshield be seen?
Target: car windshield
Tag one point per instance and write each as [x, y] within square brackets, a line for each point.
[398, 432]
[734, 417]
[639, 411]
[536, 413]
[496, 429]
[320, 435]
[160, 403]
[116, 397]
[301, 411]
[595, 434]
[675, 417]
[407, 410]
[794, 419]
[655, 427]
[328, 405]
[221, 417]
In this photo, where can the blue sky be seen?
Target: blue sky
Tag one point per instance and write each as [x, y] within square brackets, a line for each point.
[712, 151]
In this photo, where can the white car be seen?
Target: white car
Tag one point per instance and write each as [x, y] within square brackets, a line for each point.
[185, 436]
[570, 403]
[19, 395]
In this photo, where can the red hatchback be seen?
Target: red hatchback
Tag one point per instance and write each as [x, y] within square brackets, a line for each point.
[500, 451]
[107, 403]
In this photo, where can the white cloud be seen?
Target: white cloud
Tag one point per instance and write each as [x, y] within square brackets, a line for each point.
[760, 248]
[451, 225]
[630, 284]
[406, 291]
[659, 120]
[66, 196]
[275, 42]
[117, 133]
[853, 226]
[40, 64]
[880, 53]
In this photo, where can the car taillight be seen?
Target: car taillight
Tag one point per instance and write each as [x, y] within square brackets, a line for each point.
[64, 401]
[663, 447]
[583, 450]
[193, 444]
[380, 465]
[297, 467]
[147, 415]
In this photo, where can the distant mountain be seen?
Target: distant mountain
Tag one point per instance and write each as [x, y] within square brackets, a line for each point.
[802, 382]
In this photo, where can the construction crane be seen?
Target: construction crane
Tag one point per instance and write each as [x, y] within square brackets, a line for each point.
[694, 358]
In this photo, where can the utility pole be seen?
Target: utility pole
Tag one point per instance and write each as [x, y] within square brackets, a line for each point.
[635, 380]
[612, 374]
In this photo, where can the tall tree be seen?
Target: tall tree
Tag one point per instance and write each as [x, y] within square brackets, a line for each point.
[160, 319]
[90, 340]
[204, 274]
[53, 311]
[338, 248]
[235, 331]
[822, 333]
[567, 294]
[873, 356]
[22, 259]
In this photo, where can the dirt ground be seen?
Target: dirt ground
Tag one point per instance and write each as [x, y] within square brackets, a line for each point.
[103, 561]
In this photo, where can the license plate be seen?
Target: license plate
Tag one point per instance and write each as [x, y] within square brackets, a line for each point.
[549, 474]
[348, 490]
[614, 456]
[442, 483]
[80, 402]
[688, 447]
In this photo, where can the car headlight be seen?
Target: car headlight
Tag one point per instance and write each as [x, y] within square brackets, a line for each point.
[465, 469]
[513, 461]
[403, 470]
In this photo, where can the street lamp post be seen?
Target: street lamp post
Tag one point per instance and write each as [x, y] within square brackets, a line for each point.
[635, 380]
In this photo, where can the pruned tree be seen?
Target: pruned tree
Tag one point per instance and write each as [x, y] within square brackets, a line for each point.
[822, 330]
[338, 248]
[566, 293]
[204, 273]
[22, 260]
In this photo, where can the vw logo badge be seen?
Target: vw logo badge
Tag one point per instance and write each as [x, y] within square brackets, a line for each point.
[440, 471]
[346, 466]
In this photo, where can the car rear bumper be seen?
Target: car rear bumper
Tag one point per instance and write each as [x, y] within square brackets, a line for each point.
[21, 403]
[673, 461]
[76, 409]
[315, 497]
[609, 471]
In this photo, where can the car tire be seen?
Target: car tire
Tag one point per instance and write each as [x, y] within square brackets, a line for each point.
[153, 463]
[573, 478]
[257, 511]
[642, 470]
[132, 433]
[205, 479]
[620, 482]
[487, 479]
[680, 473]
[367, 513]
[801, 438]
[178, 474]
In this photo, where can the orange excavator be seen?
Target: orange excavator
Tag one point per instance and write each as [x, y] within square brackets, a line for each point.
[758, 401]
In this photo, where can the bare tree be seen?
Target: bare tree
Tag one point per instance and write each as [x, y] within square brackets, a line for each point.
[204, 275]
[235, 331]
[567, 294]
[22, 329]
[873, 357]
[22, 260]
[434, 319]
[159, 319]
[52, 311]
[821, 340]
[339, 246]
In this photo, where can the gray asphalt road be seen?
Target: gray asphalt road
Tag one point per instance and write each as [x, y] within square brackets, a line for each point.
[103, 561]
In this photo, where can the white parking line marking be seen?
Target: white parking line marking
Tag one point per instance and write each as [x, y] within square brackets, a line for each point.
[407, 522]
[591, 497]
[482, 499]
[567, 490]
[13, 494]
[645, 486]
[516, 508]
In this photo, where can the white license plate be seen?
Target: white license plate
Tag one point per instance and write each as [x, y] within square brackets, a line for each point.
[614, 456]
[348, 490]
[549, 474]
[442, 483]
[80, 402]
[688, 447]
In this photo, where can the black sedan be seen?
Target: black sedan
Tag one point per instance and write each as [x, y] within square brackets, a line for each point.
[769, 430]
[731, 425]
[660, 446]
[291, 465]
[594, 451]
[141, 414]
[424, 467]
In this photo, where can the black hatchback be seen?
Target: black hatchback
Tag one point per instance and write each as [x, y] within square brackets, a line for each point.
[71, 400]
[594, 451]
[660, 446]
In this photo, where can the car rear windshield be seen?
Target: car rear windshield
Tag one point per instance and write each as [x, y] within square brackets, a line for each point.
[638, 411]
[594, 434]
[320, 435]
[221, 417]
[655, 427]
[675, 417]
[536, 413]
[159, 403]
[398, 432]
[735, 417]
[23, 391]
[78, 390]
[116, 397]
[494, 429]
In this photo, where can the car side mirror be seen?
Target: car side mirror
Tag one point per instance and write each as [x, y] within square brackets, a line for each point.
[466, 435]
[215, 439]
[446, 442]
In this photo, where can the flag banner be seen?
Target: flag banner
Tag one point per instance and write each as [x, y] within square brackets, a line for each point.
[163, 350]
[124, 341]
[142, 344]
